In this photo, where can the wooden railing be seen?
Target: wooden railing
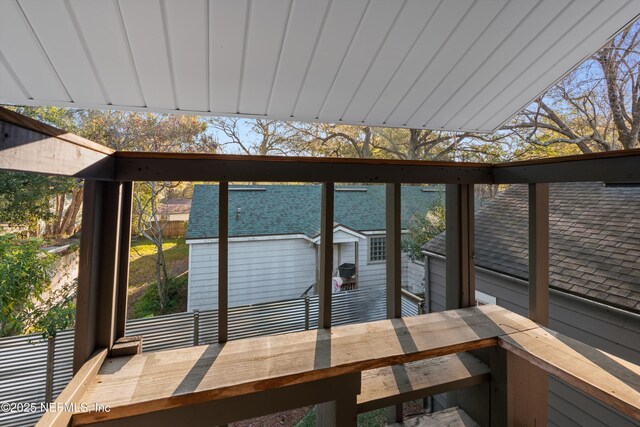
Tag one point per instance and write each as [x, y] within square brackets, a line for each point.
[27, 145]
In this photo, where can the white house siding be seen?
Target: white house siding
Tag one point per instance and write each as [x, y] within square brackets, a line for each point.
[273, 270]
[415, 277]
[611, 330]
[259, 271]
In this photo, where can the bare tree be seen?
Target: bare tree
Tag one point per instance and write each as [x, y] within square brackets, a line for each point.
[596, 108]
[257, 137]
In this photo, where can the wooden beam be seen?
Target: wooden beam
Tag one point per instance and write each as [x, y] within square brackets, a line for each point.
[394, 253]
[615, 166]
[460, 269]
[414, 380]
[393, 214]
[326, 255]
[150, 382]
[88, 274]
[30, 146]
[223, 261]
[138, 166]
[539, 253]
[343, 388]
[603, 376]
[98, 271]
[109, 269]
[123, 261]
[74, 391]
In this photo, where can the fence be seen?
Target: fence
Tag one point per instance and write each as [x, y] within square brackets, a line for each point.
[26, 373]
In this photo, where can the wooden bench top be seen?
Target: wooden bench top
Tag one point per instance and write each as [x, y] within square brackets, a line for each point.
[387, 386]
[153, 381]
[608, 378]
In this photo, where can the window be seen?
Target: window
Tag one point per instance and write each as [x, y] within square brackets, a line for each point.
[483, 299]
[377, 249]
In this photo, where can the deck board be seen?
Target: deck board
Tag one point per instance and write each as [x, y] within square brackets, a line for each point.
[608, 378]
[154, 381]
[390, 385]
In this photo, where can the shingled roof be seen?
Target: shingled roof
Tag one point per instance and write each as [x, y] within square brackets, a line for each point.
[295, 209]
[594, 240]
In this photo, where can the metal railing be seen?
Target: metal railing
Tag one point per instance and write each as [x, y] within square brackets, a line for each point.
[26, 371]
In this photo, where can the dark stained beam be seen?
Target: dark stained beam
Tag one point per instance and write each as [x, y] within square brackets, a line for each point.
[88, 274]
[616, 166]
[394, 253]
[460, 271]
[27, 145]
[326, 256]
[132, 166]
[223, 261]
[394, 269]
[539, 253]
[123, 261]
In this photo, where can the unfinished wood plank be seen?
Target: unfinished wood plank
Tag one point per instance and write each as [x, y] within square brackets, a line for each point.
[414, 380]
[73, 392]
[453, 417]
[160, 380]
[607, 378]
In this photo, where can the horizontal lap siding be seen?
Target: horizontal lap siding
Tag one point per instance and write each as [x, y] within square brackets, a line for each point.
[259, 271]
[415, 276]
[590, 323]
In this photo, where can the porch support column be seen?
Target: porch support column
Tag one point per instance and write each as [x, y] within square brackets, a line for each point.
[223, 262]
[123, 267]
[393, 268]
[98, 271]
[326, 255]
[460, 274]
[539, 253]
[519, 388]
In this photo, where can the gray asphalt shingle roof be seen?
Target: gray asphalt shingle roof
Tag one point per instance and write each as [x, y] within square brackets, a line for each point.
[594, 240]
[295, 209]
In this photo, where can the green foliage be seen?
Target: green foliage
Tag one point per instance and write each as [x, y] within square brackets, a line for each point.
[377, 418]
[25, 198]
[148, 304]
[57, 312]
[24, 276]
[422, 228]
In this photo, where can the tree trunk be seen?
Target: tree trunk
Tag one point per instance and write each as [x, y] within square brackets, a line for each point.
[70, 219]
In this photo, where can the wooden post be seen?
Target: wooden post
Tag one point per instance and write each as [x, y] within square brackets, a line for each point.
[539, 253]
[88, 273]
[98, 309]
[460, 274]
[51, 354]
[109, 257]
[394, 268]
[223, 262]
[123, 262]
[326, 256]
[394, 255]
[520, 389]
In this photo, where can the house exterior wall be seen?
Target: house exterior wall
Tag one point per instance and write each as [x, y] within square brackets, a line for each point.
[272, 270]
[609, 329]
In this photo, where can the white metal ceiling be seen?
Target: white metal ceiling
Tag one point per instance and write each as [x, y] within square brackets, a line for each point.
[450, 64]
